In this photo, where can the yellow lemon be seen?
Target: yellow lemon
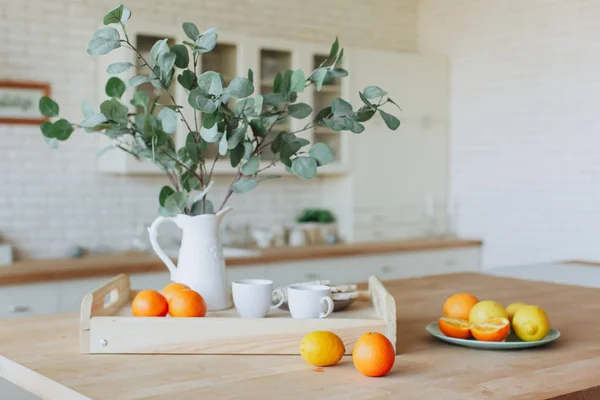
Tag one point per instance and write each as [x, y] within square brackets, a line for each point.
[512, 309]
[531, 323]
[486, 310]
[322, 348]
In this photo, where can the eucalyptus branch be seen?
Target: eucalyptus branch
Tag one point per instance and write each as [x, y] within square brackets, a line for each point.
[230, 190]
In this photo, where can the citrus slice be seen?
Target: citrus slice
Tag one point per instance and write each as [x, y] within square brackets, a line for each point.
[493, 330]
[456, 328]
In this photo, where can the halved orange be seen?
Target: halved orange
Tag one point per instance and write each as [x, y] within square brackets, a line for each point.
[493, 330]
[456, 328]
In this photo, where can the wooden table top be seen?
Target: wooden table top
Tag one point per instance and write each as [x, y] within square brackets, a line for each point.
[29, 271]
[41, 355]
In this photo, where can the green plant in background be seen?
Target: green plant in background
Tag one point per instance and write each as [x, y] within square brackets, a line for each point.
[316, 215]
[243, 130]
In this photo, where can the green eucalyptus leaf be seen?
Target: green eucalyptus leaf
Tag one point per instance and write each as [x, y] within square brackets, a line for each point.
[267, 177]
[338, 58]
[140, 99]
[115, 87]
[324, 113]
[176, 203]
[340, 107]
[392, 122]
[278, 143]
[237, 136]
[337, 73]
[236, 155]
[164, 194]
[318, 77]
[190, 30]
[334, 49]
[273, 99]
[212, 134]
[393, 102]
[93, 120]
[209, 120]
[258, 105]
[251, 166]
[160, 47]
[197, 208]
[321, 153]
[118, 67]
[45, 127]
[357, 127]
[299, 110]
[189, 181]
[182, 57]
[239, 88]
[258, 128]
[286, 82]
[192, 147]
[244, 185]
[245, 106]
[210, 83]
[223, 145]
[119, 14]
[277, 83]
[48, 107]
[114, 111]
[199, 101]
[298, 81]
[373, 92]
[268, 121]
[364, 114]
[138, 80]
[206, 42]
[104, 41]
[61, 130]
[51, 142]
[248, 150]
[187, 79]
[86, 109]
[365, 100]
[168, 119]
[304, 167]
[289, 149]
[165, 62]
[250, 75]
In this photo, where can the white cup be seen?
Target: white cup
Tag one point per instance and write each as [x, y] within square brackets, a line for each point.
[253, 297]
[307, 300]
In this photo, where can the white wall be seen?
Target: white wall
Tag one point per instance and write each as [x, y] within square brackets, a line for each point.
[51, 199]
[525, 123]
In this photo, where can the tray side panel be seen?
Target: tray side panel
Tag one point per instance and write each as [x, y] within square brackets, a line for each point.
[385, 307]
[129, 335]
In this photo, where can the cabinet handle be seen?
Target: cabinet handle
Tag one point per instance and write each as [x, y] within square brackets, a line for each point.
[13, 309]
[386, 269]
[311, 276]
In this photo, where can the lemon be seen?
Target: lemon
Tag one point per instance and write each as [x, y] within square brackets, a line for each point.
[322, 348]
[531, 323]
[512, 309]
[486, 310]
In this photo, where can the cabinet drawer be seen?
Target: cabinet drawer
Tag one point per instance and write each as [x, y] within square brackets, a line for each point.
[29, 300]
[377, 233]
[72, 292]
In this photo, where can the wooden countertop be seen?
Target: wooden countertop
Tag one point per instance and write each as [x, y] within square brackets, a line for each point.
[41, 355]
[86, 267]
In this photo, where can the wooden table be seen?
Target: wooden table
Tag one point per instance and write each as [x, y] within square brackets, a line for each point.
[41, 355]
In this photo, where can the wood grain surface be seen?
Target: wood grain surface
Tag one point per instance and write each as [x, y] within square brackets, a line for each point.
[93, 266]
[42, 355]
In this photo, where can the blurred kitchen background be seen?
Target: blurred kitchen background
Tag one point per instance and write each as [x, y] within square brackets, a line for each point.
[499, 111]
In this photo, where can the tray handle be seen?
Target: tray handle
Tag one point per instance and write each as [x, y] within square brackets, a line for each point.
[385, 307]
[104, 301]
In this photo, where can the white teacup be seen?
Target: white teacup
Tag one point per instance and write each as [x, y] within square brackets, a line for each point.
[306, 300]
[253, 297]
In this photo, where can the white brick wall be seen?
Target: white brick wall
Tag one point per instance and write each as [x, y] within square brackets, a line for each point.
[525, 123]
[51, 199]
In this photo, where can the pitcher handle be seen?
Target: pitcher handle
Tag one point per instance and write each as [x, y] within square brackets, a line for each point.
[153, 234]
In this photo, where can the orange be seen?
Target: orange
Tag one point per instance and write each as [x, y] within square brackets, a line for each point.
[456, 328]
[459, 305]
[169, 290]
[494, 330]
[149, 303]
[373, 354]
[187, 303]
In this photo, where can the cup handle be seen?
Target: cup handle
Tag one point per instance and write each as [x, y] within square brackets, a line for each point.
[281, 298]
[327, 299]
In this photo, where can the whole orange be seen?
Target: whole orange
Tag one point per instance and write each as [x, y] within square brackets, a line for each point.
[169, 290]
[149, 303]
[373, 354]
[187, 303]
[459, 305]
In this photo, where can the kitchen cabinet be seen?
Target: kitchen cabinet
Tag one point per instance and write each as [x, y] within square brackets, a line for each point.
[29, 300]
[10, 391]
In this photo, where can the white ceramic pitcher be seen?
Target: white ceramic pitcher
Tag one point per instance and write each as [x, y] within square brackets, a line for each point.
[201, 264]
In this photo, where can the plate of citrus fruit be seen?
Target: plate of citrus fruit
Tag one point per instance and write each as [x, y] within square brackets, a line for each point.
[486, 324]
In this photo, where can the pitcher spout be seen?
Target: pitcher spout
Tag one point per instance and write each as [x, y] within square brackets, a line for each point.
[221, 213]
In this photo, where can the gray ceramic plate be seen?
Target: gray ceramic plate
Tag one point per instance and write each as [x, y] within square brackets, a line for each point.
[511, 342]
